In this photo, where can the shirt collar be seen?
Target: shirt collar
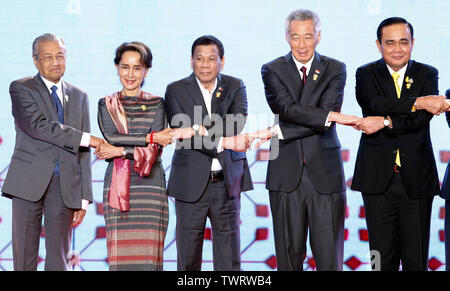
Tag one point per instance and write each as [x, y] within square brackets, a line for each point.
[401, 72]
[300, 65]
[205, 91]
[50, 84]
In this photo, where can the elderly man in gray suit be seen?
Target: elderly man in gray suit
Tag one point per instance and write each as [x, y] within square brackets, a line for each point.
[50, 169]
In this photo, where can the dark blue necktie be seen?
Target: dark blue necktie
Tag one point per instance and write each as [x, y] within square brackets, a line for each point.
[60, 111]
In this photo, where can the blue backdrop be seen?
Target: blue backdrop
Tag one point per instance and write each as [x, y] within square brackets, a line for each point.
[253, 34]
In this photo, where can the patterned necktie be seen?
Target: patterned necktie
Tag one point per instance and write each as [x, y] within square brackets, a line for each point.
[58, 105]
[303, 70]
[60, 111]
[395, 76]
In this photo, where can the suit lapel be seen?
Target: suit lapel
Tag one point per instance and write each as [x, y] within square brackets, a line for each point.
[386, 79]
[410, 74]
[294, 83]
[46, 97]
[66, 91]
[217, 97]
[315, 73]
[196, 95]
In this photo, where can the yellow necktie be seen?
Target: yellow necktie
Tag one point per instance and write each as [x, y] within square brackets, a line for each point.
[395, 76]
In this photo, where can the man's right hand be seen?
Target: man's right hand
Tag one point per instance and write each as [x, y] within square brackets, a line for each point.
[95, 141]
[433, 104]
[343, 119]
[238, 143]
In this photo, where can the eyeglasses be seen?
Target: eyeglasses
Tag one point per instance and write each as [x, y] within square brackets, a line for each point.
[49, 59]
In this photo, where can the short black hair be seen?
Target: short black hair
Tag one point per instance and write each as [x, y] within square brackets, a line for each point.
[208, 40]
[391, 21]
[141, 48]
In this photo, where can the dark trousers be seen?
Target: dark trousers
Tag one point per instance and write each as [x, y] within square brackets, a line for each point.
[294, 213]
[224, 214]
[399, 228]
[27, 225]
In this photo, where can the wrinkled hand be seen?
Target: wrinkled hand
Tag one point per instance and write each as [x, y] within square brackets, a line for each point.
[78, 216]
[164, 137]
[433, 104]
[264, 135]
[95, 141]
[238, 143]
[187, 132]
[260, 143]
[106, 151]
[371, 124]
[343, 119]
[182, 133]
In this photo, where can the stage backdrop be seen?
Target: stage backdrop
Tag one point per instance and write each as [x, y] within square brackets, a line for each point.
[253, 34]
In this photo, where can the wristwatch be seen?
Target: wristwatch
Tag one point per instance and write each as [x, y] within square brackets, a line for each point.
[196, 129]
[386, 122]
[124, 154]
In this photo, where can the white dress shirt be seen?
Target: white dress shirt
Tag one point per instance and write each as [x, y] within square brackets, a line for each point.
[85, 138]
[207, 97]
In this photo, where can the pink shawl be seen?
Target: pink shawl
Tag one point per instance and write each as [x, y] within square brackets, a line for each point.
[144, 157]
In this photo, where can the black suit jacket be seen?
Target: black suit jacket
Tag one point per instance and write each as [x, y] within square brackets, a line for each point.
[302, 113]
[376, 94]
[191, 164]
[445, 191]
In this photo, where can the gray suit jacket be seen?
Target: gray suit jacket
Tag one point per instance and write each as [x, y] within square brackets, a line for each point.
[41, 139]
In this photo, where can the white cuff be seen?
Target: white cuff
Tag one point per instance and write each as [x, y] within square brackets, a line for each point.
[85, 139]
[277, 130]
[328, 123]
[220, 146]
[84, 204]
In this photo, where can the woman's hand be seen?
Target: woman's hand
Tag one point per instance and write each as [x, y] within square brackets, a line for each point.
[164, 137]
[183, 133]
[106, 151]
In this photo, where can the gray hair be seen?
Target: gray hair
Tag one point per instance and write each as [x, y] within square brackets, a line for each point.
[302, 15]
[44, 38]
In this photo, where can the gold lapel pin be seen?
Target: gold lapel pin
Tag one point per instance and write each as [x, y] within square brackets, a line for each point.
[409, 81]
[316, 75]
[218, 94]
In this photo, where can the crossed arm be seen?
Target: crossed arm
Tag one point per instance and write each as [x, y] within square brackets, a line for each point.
[404, 114]
[297, 120]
